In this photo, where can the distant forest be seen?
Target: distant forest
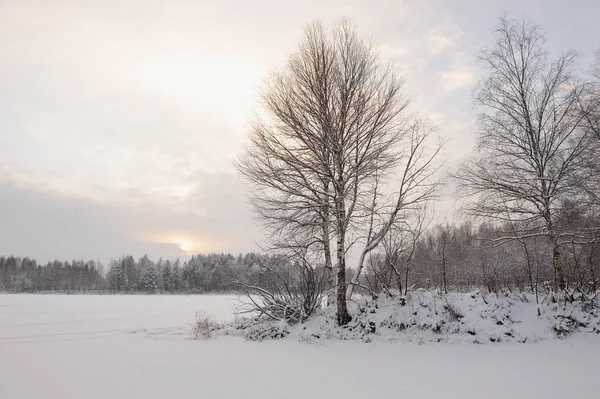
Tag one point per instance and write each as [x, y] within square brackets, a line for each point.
[443, 256]
[201, 273]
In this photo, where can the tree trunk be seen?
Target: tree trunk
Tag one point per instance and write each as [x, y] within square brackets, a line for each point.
[444, 268]
[560, 282]
[399, 278]
[327, 244]
[529, 272]
[342, 310]
[408, 264]
[592, 270]
[355, 279]
[557, 260]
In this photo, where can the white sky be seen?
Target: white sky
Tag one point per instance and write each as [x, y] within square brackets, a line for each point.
[119, 120]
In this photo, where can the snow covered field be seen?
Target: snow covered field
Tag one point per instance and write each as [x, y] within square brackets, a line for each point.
[67, 346]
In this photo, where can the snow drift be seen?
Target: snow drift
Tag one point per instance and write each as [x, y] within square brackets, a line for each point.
[425, 317]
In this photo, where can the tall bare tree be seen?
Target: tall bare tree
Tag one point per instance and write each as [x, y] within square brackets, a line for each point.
[531, 133]
[335, 122]
[590, 184]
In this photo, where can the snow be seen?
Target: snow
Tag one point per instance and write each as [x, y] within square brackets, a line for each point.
[429, 317]
[54, 346]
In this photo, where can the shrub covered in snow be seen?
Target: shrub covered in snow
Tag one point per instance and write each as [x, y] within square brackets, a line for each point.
[204, 326]
[295, 292]
[261, 329]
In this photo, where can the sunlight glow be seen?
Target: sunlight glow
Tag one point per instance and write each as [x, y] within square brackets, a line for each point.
[185, 245]
[180, 242]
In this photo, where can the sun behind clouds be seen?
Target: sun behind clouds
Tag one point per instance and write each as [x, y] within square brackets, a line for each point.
[186, 242]
[185, 245]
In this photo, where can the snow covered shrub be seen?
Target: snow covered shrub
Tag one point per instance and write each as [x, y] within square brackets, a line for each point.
[453, 313]
[575, 311]
[290, 291]
[204, 326]
[563, 326]
[259, 330]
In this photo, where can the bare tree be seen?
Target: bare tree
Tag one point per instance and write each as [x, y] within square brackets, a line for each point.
[288, 158]
[590, 183]
[336, 121]
[531, 134]
[416, 187]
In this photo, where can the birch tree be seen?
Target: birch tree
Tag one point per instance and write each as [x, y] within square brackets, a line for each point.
[336, 119]
[590, 182]
[531, 134]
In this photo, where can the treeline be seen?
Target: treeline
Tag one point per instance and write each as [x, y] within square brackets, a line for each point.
[443, 256]
[464, 256]
[201, 273]
[26, 275]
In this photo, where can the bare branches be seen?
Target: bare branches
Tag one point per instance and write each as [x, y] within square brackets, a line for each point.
[588, 180]
[337, 123]
[532, 132]
[416, 188]
[294, 290]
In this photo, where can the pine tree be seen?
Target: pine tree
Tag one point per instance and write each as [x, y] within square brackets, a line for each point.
[177, 277]
[150, 280]
[167, 277]
[144, 263]
[116, 275]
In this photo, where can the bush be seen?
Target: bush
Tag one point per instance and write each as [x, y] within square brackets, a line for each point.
[259, 330]
[291, 291]
[204, 326]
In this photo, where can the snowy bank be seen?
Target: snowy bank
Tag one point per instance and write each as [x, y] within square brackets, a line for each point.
[425, 317]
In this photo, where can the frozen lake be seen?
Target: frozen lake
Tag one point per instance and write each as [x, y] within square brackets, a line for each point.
[68, 346]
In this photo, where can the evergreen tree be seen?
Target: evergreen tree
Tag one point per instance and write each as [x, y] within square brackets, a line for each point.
[167, 277]
[177, 277]
[116, 275]
[150, 280]
[143, 265]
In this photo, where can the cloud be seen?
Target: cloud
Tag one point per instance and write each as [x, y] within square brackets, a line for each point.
[443, 38]
[47, 225]
[124, 120]
[134, 110]
[457, 78]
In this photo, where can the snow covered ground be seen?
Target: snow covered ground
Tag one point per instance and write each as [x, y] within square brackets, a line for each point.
[428, 317]
[61, 346]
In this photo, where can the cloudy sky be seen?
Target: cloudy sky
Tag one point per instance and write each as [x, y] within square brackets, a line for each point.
[119, 120]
